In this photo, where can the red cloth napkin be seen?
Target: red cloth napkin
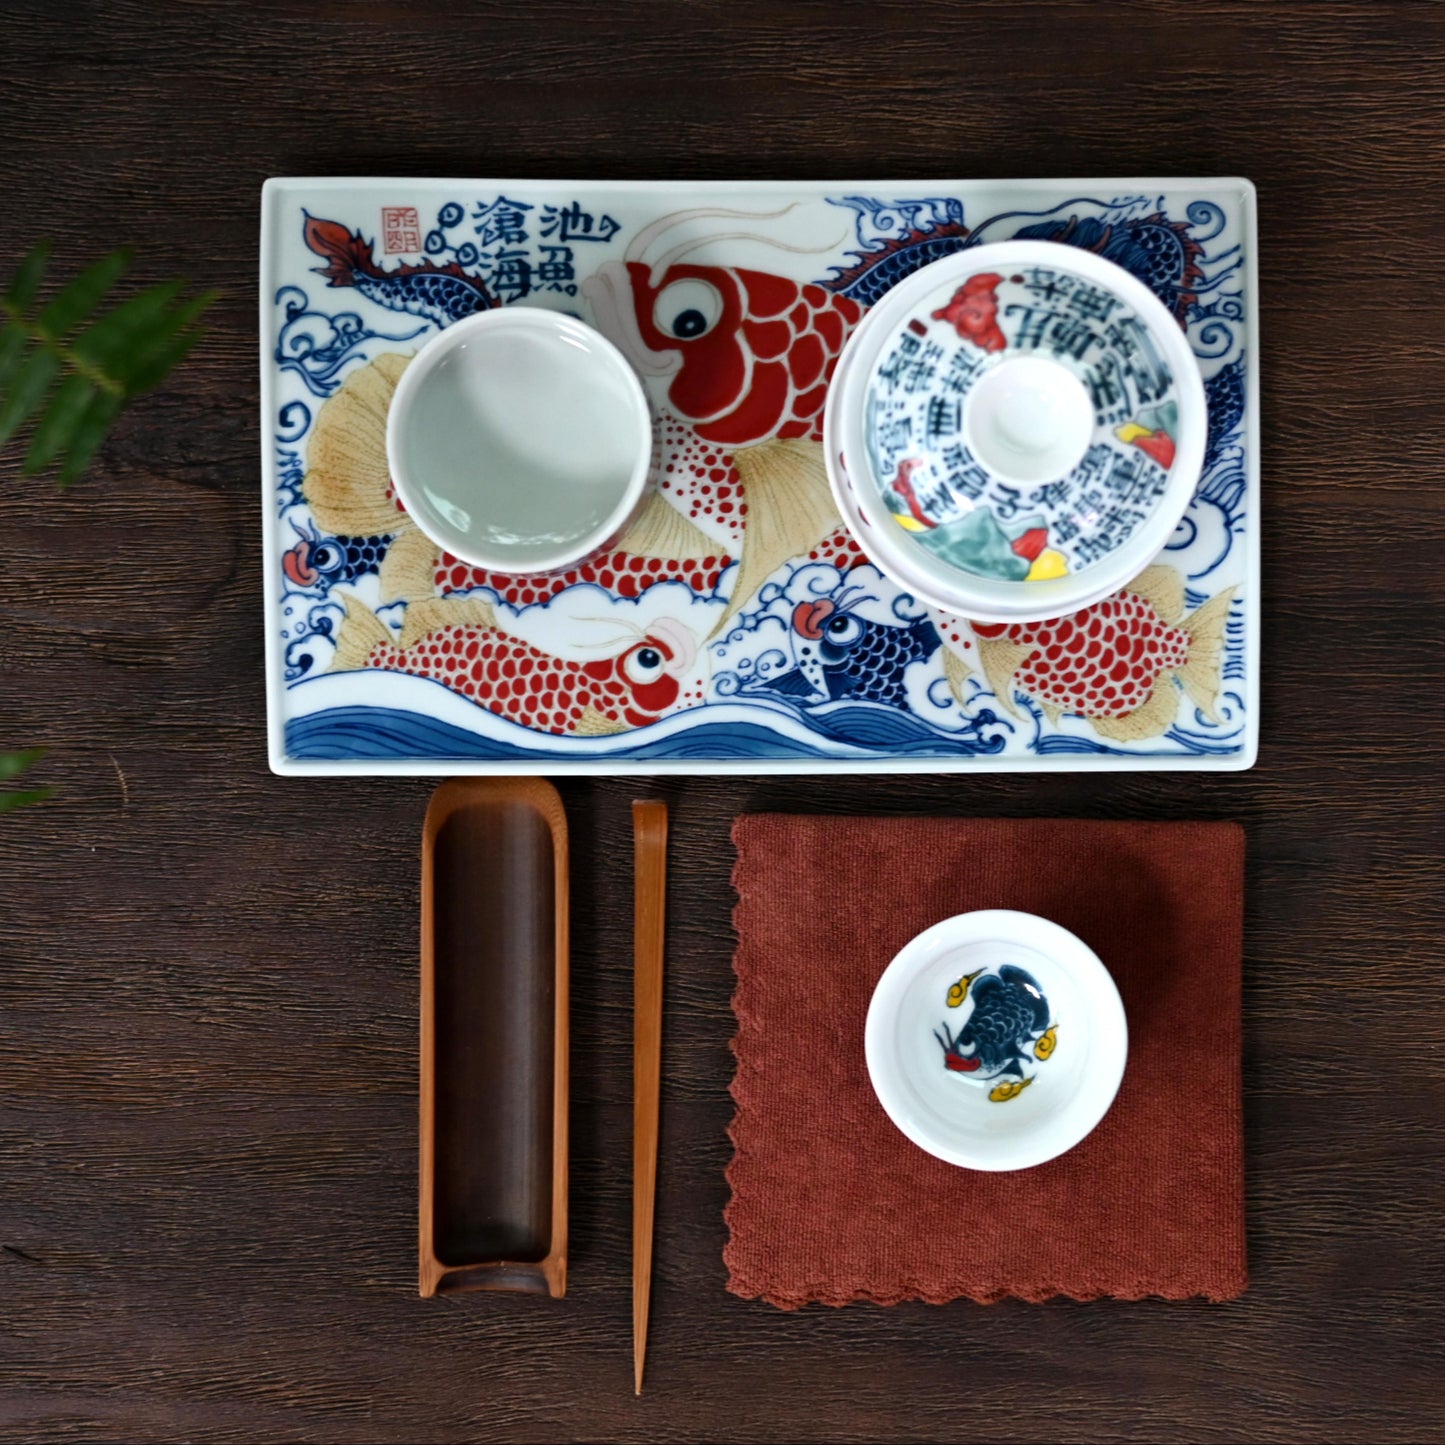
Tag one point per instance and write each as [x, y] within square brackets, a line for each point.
[830, 1203]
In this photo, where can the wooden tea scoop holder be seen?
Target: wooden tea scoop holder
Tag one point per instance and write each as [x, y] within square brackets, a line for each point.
[494, 1021]
[649, 824]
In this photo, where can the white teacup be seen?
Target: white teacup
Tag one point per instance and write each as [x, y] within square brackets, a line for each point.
[520, 440]
[996, 1040]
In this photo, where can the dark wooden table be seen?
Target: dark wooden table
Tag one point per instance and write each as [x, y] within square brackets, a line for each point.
[208, 1023]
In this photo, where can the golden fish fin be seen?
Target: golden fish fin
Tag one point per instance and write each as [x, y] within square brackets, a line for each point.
[1000, 661]
[1163, 589]
[347, 475]
[660, 530]
[1052, 711]
[956, 673]
[409, 569]
[1202, 672]
[594, 724]
[790, 510]
[1151, 719]
[360, 631]
[435, 614]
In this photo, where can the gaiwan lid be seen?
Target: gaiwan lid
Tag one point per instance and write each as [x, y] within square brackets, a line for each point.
[1031, 420]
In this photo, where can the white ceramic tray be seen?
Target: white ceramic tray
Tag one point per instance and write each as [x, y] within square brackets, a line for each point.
[685, 649]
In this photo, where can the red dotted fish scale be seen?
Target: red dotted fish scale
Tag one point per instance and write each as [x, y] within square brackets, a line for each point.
[838, 549]
[953, 630]
[509, 677]
[693, 695]
[699, 478]
[1101, 662]
[621, 573]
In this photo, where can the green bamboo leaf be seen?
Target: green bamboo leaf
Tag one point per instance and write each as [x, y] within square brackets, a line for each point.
[150, 363]
[26, 280]
[83, 294]
[31, 382]
[12, 764]
[129, 325]
[88, 434]
[153, 368]
[56, 429]
[12, 347]
[188, 313]
[24, 798]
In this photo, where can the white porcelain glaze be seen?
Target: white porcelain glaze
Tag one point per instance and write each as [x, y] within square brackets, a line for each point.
[519, 440]
[952, 1093]
[1028, 420]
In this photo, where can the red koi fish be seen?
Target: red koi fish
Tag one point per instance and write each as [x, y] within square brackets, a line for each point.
[1114, 663]
[457, 643]
[749, 354]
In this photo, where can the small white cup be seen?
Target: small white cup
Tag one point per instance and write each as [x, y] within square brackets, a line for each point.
[965, 1107]
[520, 440]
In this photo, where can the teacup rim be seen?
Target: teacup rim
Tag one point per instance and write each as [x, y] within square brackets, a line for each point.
[424, 361]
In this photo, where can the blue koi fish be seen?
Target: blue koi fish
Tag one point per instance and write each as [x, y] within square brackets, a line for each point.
[321, 561]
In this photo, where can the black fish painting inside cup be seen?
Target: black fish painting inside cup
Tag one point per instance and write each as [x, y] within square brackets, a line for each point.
[1007, 1032]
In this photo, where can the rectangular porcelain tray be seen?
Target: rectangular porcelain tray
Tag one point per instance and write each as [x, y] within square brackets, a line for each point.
[383, 658]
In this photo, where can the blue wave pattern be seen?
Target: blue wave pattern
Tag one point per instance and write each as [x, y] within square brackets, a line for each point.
[316, 345]
[375, 734]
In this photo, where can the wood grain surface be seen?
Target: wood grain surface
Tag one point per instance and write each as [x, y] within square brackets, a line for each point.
[208, 1019]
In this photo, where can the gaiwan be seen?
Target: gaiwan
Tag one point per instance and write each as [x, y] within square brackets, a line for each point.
[996, 1040]
[1016, 430]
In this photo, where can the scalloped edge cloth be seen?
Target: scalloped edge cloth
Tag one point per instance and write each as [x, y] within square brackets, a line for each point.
[831, 1204]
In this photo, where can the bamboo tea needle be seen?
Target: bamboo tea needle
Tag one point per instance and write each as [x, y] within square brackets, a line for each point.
[649, 824]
